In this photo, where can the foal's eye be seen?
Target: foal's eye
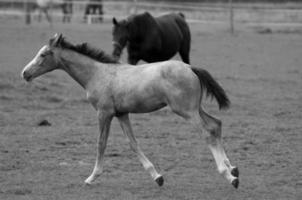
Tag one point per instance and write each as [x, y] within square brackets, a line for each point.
[46, 54]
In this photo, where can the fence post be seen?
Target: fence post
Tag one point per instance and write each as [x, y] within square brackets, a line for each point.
[231, 16]
[135, 6]
[27, 11]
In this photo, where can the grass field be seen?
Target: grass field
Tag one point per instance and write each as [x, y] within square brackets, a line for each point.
[262, 74]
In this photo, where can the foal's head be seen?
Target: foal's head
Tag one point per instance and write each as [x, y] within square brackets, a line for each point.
[45, 60]
[50, 56]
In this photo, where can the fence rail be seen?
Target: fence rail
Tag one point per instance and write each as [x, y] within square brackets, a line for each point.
[290, 13]
[180, 5]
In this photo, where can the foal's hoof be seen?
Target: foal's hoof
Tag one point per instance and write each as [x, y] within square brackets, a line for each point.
[159, 180]
[235, 172]
[87, 183]
[235, 183]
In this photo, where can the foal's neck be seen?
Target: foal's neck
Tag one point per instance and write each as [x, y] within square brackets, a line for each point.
[81, 68]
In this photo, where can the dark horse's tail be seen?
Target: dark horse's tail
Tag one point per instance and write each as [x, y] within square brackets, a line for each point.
[212, 88]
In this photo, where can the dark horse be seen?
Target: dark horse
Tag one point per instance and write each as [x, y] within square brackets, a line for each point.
[151, 38]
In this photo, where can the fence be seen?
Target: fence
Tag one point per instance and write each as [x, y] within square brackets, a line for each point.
[289, 13]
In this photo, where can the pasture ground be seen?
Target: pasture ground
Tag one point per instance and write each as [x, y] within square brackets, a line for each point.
[262, 131]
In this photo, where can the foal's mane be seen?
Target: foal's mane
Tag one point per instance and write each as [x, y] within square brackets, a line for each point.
[84, 49]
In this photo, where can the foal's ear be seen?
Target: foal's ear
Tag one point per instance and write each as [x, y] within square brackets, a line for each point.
[114, 21]
[56, 39]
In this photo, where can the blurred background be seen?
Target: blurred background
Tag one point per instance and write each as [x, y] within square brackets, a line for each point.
[225, 12]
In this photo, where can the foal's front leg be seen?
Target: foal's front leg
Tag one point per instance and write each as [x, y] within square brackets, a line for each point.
[127, 129]
[104, 127]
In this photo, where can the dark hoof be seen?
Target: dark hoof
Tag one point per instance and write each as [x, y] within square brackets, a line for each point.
[235, 183]
[160, 181]
[235, 172]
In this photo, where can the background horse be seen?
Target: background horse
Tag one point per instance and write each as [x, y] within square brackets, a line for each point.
[152, 39]
[94, 7]
[115, 90]
[67, 10]
[45, 5]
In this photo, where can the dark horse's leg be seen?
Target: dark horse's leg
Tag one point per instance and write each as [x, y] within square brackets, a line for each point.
[184, 50]
[184, 54]
[133, 60]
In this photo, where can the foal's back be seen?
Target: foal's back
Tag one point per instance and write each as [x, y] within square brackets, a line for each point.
[152, 72]
[148, 87]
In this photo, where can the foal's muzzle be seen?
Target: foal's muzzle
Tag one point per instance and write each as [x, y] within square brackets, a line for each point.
[27, 76]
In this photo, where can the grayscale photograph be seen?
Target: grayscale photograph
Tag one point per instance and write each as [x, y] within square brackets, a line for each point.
[150, 99]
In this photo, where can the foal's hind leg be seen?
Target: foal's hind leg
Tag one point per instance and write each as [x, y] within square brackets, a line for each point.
[201, 120]
[213, 126]
[126, 126]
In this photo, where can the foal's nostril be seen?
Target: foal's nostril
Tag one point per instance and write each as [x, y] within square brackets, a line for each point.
[23, 74]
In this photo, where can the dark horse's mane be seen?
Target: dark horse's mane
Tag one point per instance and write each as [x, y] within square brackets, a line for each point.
[85, 49]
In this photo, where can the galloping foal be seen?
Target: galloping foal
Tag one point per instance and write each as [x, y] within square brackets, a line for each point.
[115, 90]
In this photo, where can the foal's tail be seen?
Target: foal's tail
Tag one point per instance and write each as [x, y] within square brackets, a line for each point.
[212, 87]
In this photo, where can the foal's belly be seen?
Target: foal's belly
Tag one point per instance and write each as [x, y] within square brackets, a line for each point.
[141, 108]
[139, 104]
[140, 89]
